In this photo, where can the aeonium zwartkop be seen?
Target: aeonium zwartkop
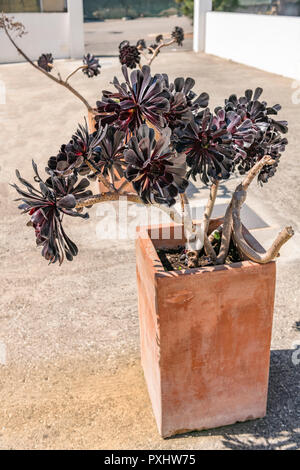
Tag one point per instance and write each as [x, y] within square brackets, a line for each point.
[156, 134]
[133, 140]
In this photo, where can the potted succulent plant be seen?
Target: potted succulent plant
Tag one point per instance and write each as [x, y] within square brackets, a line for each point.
[206, 289]
[129, 55]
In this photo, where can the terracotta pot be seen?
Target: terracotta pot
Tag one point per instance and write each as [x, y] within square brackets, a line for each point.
[205, 337]
[91, 121]
[102, 188]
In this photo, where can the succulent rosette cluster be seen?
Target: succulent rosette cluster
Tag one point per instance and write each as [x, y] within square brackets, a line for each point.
[46, 207]
[130, 55]
[152, 47]
[156, 171]
[156, 134]
[111, 149]
[234, 137]
[268, 131]
[45, 62]
[183, 101]
[178, 35]
[141, 44]
[91, 66]
[73, 156]
[141, 98]
[207, 141]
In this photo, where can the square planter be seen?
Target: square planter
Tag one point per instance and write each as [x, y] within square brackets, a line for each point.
[205, 336]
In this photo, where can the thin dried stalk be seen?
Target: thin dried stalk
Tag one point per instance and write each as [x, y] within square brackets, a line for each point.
[172, 213]
[52, 77]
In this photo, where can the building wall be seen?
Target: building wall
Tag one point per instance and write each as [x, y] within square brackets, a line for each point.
[270, 43]
[17, 6]
[108, 9]
[53, 5]
[58, 33]
[32, 6]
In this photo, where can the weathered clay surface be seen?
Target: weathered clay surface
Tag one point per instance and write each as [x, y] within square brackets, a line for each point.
[205, 339]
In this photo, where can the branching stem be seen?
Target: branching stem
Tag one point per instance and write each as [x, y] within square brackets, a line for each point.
[101, 178]
[52, 77]
[187, 213]
[82, 67]
[115, 196]
[238, 199]
[248, 251]
[226, 235]
[207, 215]
[159, 47]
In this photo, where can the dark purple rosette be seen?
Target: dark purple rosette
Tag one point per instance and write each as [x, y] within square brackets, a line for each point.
[46, 207]
[155, 170]
[142, 98]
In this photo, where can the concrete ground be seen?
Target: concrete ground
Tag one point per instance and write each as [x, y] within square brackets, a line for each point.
[103, 39]
[72, 376]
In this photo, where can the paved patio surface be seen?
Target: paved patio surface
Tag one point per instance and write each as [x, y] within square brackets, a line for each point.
[72, 377]
[103, 39]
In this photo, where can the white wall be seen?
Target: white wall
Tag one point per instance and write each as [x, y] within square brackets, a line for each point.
[270, 43]
[47, 32]
[58, 33]
[76, 34]
[201, 7]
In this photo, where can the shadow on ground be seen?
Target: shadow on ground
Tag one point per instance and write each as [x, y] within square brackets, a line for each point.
[280, 429]
[223, 191]
[297, 326]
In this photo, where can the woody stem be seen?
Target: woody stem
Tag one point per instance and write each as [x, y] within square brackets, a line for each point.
[52, 77]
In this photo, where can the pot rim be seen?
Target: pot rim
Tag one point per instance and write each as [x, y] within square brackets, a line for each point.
[144, 235]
